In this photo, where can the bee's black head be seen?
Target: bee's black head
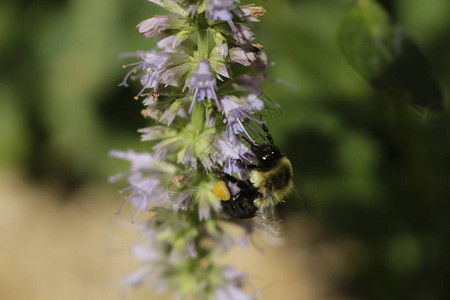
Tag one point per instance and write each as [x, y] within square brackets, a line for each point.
[267, 155]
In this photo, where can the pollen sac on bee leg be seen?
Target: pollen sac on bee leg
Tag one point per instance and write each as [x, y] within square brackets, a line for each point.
[221, 191]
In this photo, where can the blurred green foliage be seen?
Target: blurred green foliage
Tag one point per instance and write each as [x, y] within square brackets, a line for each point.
[372, 169]
[386, 56]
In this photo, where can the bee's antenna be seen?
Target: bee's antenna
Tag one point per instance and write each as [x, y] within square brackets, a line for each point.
[266, 130]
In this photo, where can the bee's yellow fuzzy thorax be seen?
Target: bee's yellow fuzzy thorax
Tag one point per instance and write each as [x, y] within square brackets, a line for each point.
[274, 184]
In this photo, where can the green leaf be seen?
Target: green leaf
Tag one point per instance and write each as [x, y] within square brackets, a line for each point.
[385, 56]
[174, 7]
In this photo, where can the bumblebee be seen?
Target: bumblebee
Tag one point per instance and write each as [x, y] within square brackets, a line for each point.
[270, 181]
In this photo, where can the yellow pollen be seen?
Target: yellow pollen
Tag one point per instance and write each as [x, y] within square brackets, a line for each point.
[221, 191]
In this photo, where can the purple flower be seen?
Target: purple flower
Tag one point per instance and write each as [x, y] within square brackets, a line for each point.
[250, 84]
[168, 44]
[191, 9]
[162, 67]
[231, 274]
[136, 278]
[189, 158]
[180, 201]
[151, 255]
[166, 147]
[243, 241]
[234, 115]
[232, 290]
[207, 202]
[152, 64]
[242, 35]
[143, 190]
[145, 254]
[204, 212]
[210, 117]
[229, 150]
[223, 49]
[261, 62]
[237, 111]
[139, 162]
[242, 56]
[253, 103]
[232, 148]
[220, 10]
[153, 26]
[221, 43]
[202, 82]
[160, 26]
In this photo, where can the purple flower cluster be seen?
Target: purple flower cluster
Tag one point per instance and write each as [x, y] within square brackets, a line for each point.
[200, 109]
[148, 180]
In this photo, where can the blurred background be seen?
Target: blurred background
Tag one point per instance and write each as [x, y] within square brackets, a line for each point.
[369, 219]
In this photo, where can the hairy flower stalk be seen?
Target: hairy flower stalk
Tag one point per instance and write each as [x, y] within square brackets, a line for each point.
[201, 87]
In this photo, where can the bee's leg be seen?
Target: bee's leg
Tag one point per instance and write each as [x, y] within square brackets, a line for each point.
[251, 167]
[240, 183]
[246, 166]
[266, 130]
[228, 178]
[221, 174]
[218, 171]
[251, 142]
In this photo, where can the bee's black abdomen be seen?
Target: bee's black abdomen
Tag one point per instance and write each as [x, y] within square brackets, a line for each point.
[243, 209]
[242, 205]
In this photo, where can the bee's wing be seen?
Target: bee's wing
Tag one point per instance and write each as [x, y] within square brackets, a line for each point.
[247, 85]
[271, 108]
[268, 225]
[268, 213]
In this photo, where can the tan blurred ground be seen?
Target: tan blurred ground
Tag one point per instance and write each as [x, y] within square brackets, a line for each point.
[75, 249]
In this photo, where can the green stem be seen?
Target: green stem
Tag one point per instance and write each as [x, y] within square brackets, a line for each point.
[203, 46]
[198, 116]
